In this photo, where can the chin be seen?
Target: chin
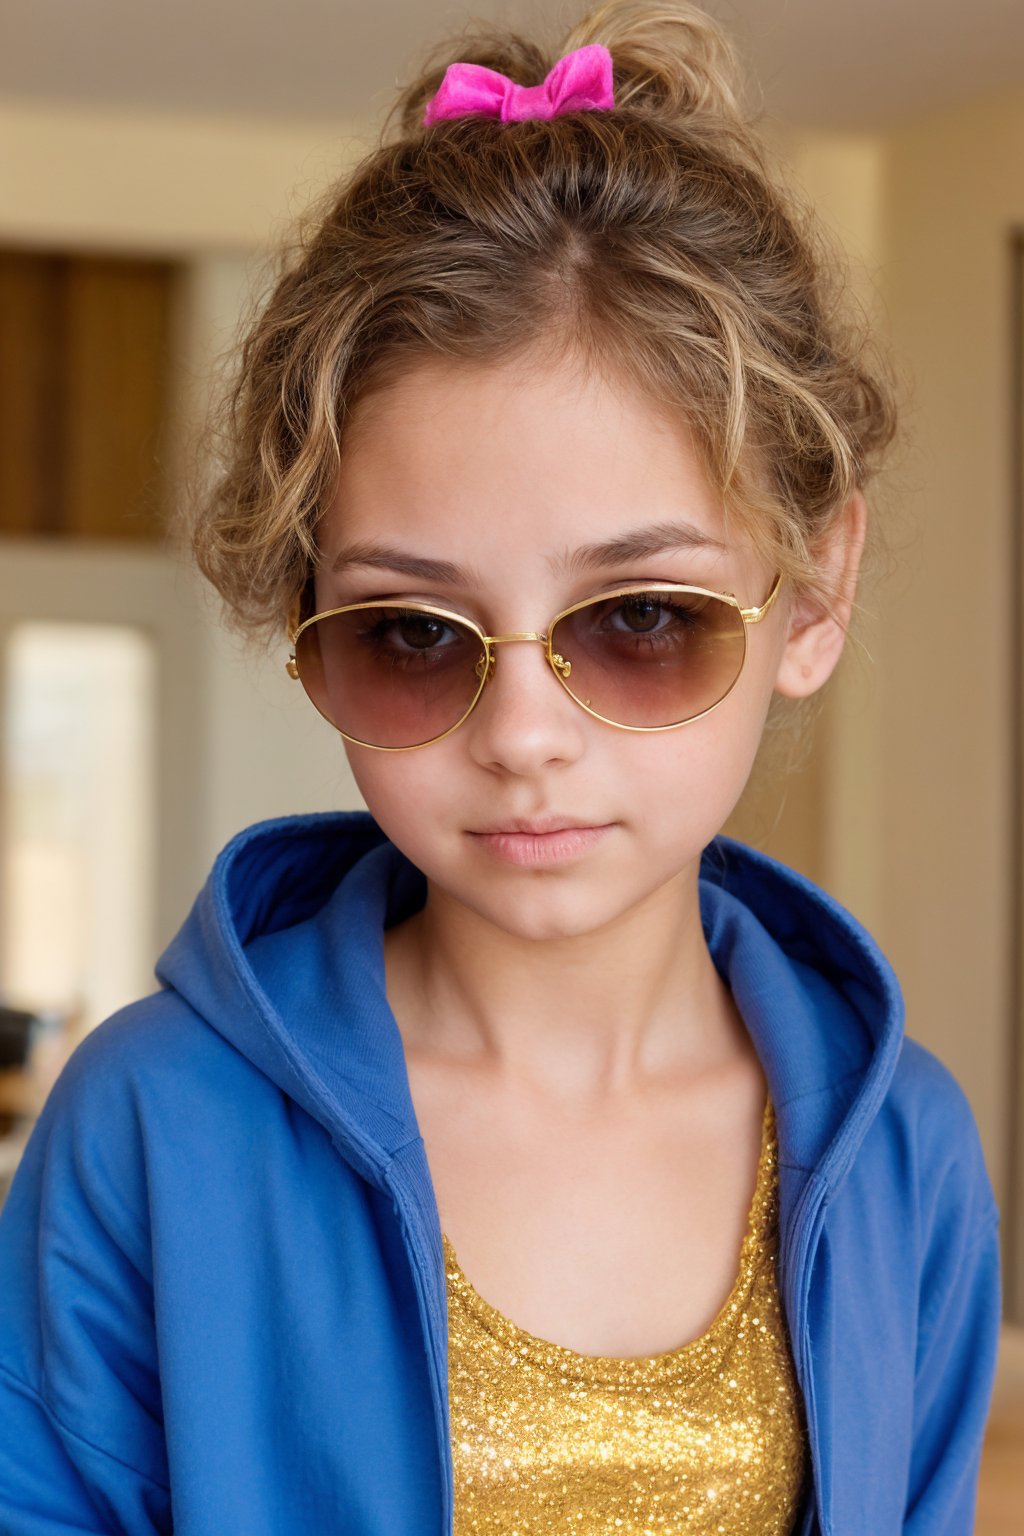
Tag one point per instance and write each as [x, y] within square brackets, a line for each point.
[535, 928]
[541, 912]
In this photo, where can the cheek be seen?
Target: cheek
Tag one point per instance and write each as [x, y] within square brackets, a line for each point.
[395, 785]
[419, 799]
[683, 788]
[685, 784]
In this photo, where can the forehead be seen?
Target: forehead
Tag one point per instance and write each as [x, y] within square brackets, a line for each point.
[482, 463]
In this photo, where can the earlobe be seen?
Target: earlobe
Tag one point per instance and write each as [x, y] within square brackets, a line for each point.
[816, 637]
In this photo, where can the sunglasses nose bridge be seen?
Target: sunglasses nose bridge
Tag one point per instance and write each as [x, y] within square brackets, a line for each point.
[524, 634]
[560, 667]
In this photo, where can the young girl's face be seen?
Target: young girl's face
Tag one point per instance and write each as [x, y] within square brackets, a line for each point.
[505, 472]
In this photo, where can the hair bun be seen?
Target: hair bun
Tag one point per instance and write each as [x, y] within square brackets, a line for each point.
[669, 57]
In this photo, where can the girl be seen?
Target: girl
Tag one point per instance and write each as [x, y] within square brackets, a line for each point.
[522, 1155]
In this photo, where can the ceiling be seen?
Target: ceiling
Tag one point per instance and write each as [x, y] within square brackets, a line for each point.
[839, 63]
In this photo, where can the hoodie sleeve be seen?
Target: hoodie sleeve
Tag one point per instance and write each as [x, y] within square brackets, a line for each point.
[958, 1336]
[81, 1431]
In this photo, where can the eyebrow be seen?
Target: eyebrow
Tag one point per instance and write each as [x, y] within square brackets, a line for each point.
[653, 539]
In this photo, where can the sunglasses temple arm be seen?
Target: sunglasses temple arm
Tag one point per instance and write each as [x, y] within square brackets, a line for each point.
[755, 615]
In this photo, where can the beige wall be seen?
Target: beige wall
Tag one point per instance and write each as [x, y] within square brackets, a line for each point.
[833, 807]
[915, 741]
[158, 182]
[954, 195]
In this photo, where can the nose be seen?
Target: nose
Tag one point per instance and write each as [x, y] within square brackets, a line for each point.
[524, 719]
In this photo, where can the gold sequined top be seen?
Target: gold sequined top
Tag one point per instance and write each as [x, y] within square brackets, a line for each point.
[705, 1438]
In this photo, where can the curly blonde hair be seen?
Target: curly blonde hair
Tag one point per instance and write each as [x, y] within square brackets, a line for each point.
[654, 240]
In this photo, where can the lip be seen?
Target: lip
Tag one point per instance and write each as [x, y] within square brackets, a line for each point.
[536, 826]
[555, 846]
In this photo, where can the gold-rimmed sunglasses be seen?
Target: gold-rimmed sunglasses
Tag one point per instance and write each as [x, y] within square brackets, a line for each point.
[648, 656]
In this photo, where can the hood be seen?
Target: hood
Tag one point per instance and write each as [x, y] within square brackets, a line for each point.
[282, 954]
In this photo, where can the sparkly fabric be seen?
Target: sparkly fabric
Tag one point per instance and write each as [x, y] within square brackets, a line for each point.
[705, 1438]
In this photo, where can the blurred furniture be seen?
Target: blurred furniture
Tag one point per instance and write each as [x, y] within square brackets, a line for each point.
[33, 1048]
[17, 1026]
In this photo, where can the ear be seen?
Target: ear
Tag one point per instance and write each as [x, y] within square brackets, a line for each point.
[816, 637]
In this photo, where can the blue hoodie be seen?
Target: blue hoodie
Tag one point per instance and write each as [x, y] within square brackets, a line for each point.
[222, 1294]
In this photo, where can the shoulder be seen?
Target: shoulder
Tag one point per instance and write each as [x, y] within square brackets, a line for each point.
[140, 1081]
[929, 1130]
[155, 1045]
[151, 1099]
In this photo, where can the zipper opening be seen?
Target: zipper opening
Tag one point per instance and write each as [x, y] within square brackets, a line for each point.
[431, 1326]
[805, 1227]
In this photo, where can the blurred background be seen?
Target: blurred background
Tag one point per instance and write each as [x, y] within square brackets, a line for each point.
[151, 156]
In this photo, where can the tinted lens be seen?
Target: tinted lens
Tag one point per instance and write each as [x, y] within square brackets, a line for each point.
[651, 658]
[390, 676]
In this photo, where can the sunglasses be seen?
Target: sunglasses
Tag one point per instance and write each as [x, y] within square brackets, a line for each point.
[644, 657]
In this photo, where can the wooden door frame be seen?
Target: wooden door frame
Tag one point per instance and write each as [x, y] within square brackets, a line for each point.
[1013, 1216]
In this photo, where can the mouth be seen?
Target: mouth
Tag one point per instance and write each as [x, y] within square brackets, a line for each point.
[558, 840]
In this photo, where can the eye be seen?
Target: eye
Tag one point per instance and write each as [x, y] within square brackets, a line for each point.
[421, 631]
[641, 613]
[644, 613]
[409, 630]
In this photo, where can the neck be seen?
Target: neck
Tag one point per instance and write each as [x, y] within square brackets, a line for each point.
[578, 1020]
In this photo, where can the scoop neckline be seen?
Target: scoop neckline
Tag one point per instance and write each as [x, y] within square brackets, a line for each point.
[696, 1355]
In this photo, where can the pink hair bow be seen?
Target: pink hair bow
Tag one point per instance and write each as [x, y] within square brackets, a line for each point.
[581, 81]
